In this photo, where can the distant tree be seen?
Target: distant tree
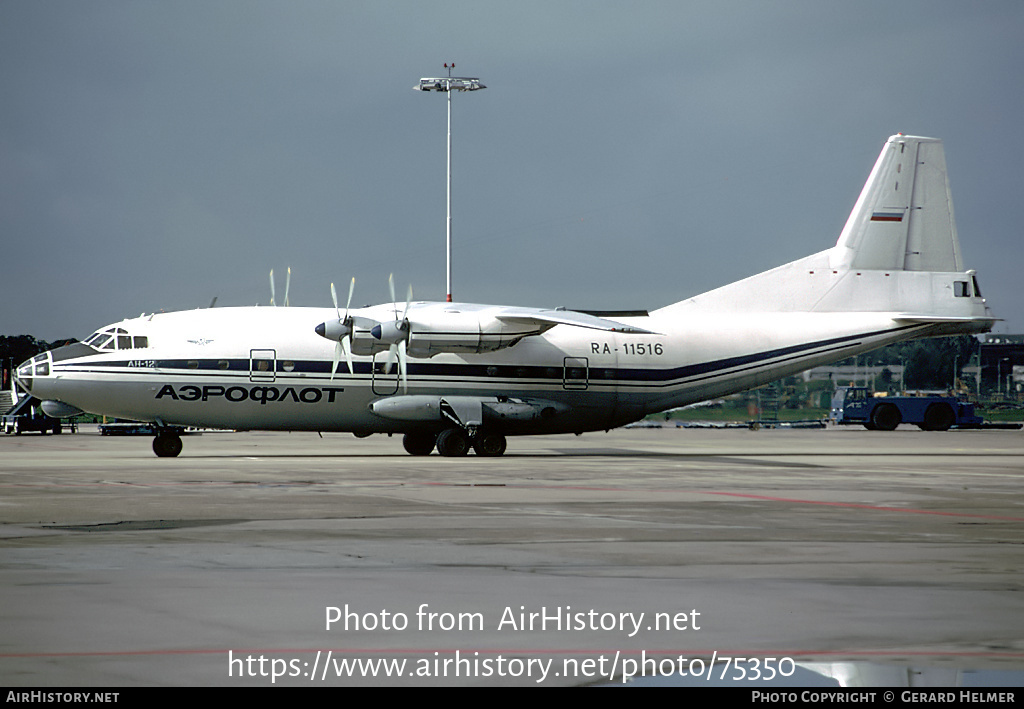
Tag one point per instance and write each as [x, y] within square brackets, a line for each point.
[15, 349]
[885, 379]
[929, 363]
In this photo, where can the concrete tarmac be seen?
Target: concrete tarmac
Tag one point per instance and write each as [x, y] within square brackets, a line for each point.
[291, 559]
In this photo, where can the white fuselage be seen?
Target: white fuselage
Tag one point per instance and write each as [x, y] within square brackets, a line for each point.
[265, 368]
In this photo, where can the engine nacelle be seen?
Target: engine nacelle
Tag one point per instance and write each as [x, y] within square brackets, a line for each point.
[364, 343]
[58, 409]
[450, 330]
[468, 410]
[469, 333]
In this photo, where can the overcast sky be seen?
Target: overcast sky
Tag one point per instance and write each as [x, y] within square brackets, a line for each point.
[154, 155]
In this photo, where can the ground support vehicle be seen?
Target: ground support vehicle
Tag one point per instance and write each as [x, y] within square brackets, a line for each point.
[856, 405]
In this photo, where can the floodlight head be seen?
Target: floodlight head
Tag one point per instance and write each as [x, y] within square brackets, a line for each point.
[449, 83]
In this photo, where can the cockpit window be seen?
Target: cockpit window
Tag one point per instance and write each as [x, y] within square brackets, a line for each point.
[117, 339]
[42, 365]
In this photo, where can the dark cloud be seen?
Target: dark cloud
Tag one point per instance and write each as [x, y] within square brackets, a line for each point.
[155, 155]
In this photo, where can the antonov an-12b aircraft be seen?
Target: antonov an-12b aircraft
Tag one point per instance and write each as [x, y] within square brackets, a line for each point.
[468, 376]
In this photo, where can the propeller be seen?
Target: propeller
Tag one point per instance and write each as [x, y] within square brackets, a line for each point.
[345, 327]
[396, 334]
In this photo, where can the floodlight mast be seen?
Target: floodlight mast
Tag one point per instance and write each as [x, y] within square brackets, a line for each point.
[448, 84]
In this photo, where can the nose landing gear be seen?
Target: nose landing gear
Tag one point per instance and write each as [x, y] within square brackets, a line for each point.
[167, 443]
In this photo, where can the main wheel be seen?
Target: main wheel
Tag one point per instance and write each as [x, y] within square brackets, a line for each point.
[167, 445]
[419, 443]
[886, 417]
[490, 445]
[938, 417]
[452, 442]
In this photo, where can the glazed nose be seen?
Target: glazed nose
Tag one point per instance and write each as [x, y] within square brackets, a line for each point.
[38, 366]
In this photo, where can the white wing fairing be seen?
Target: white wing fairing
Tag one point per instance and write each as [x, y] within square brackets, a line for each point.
[468, 375]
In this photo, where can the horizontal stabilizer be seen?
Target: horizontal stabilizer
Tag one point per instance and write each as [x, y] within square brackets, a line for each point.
[910, 318]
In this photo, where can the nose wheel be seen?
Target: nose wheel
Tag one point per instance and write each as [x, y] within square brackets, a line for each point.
[167, 444]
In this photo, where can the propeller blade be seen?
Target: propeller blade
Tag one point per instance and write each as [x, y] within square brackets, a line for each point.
[351, 328]
[272, 287]
[408, 301]
[334, 362]
[334, 297]
[348, 352]
[287, 284]
[392, 352]
[403, 367]
[391, 287]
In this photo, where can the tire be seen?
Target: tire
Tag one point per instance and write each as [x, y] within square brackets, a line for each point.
[453, 443]
[419, 443]
[490, 445]
[886, 417]
[167, 445]
[938, 417]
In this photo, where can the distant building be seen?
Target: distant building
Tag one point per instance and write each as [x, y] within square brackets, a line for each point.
[1002, 364]
[859, 376]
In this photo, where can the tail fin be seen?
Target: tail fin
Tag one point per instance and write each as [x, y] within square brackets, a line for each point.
[898, 254]
[903, 219]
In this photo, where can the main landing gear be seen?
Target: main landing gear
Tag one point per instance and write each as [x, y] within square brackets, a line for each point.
[455, 442]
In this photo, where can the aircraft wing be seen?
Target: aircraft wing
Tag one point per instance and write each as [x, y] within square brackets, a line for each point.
[546, 319]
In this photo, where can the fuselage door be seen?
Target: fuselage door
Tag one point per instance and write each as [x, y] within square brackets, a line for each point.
[384, 383]
[576, 373]
[262, 365]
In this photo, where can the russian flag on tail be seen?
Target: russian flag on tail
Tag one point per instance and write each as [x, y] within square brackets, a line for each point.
[887, 216]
